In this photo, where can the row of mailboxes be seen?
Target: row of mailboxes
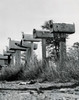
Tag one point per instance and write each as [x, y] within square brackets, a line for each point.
[12, 55]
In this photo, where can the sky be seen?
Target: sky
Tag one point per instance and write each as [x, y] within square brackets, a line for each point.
[25, 15]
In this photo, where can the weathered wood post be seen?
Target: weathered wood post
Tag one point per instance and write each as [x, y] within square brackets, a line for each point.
[62, 51]
[62, 29]
[43, 49]
[3, 60]
[17, 58]
[42, 35]
[29, 38]
[9, 57]
[13, 46]
[27, 47]
[12, 55]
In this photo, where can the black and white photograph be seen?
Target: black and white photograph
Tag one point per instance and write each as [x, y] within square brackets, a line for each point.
[39, 49]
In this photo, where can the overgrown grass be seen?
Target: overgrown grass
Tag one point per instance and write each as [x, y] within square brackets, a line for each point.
[46, 72]
[10, 73]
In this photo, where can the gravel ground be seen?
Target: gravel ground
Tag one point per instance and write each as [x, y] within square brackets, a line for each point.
[54, 94]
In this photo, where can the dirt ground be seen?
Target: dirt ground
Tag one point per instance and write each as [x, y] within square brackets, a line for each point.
[25, 91]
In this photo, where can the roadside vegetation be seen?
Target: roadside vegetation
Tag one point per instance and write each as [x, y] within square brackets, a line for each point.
[34, 70]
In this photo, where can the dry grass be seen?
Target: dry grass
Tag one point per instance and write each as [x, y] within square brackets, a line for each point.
[47, 72]
[10, 73]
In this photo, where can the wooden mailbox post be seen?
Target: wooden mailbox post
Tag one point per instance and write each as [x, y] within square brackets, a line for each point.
[12, 55]
[27, 47]
[29, 38]
[3, 60]
[61, 29]
[5, 53]
[42, 35]
[18, 47]
[17, 54]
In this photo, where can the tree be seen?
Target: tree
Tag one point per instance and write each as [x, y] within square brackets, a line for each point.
[73, 52]
[52, 43]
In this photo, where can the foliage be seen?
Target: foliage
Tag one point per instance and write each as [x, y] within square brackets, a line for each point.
[73, 52]
[10, 73]
[46, 72]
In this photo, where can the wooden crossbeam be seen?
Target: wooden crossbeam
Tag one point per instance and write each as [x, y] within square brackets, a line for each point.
[42, 34]
[9, 51]
[29, 37]
[2, 57]
[6, 53]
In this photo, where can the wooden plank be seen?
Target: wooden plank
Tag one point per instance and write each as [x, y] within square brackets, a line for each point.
[29, 45]
[32, 46]
[5, 53]
[12, 59]
[29, 37]
[43, 50]
[13, 46]
[10, 51]
[63, 28]
[2, 57]
[28, 55]
[62, 58]
[26, 45]
[17, 58]
[42, 34]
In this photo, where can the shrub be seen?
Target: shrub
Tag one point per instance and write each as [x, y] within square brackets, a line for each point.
[10, 73]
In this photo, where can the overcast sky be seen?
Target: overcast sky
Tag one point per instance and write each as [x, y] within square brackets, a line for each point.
[24, 15]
